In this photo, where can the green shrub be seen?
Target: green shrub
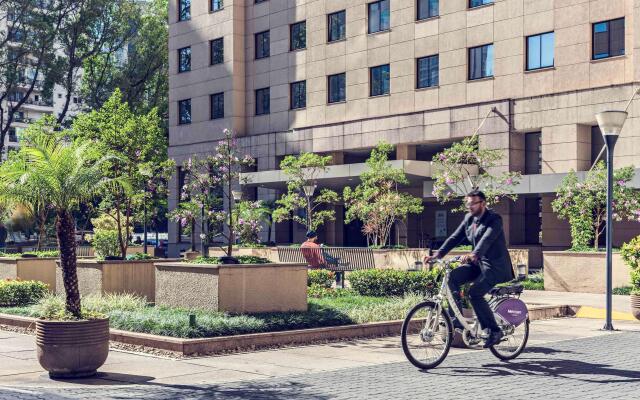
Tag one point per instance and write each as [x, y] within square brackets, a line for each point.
[320, 277]
[624, 290]
[630, 253]
[38, 254]
[139, 256]
[241, 259]
[105, 243]
[253, 260]
[204, 260]
[93, 306]
[319, 291]
[389, 282]
[15, 293]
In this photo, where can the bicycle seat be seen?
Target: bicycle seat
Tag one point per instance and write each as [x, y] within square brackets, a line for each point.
[516, 288]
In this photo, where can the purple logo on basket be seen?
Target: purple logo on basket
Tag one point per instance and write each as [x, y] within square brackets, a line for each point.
[513, 311]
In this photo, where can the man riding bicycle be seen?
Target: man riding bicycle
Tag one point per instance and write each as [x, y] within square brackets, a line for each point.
[487, 265]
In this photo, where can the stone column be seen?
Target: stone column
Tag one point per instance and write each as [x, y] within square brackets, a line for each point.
[406, 152]
[566, 147]
[334, 230]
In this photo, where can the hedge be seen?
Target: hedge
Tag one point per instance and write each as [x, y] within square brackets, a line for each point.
[20, 293]
[320, 277]
[389, 282]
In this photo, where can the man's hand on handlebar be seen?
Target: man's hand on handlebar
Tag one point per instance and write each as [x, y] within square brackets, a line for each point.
[431, 259]
[470, 258]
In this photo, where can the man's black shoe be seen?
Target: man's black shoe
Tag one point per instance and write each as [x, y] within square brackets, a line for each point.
[493, 339]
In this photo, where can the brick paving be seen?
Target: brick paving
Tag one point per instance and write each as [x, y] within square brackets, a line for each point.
[601, 367]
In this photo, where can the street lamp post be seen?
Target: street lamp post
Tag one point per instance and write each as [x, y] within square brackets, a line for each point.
[309, 190]
[610, 123]
[144, 235]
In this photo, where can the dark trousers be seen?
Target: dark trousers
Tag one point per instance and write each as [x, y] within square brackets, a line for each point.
[481, 285]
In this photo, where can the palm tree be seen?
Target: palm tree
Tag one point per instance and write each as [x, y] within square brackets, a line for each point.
[67, 175]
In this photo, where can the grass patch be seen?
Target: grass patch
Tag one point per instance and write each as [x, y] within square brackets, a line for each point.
[132, 314]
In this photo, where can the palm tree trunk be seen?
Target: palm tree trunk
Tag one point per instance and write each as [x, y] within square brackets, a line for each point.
[65, 230]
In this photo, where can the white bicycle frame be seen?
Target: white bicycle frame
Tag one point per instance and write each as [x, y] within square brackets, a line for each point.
[470, 324]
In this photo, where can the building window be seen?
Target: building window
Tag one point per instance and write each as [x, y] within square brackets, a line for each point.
[184, 10]
[337, 88]
[337, 26]
[532, 153]
[13, 137]
[262, 101]
[540, 51]
[427, 9]
[298, 35]
[184, 112]
[262, 44]
[428, 71]
[217, 51]
[260, 1]
[379, 80]
[478, 3]
[216, 5]
[184, 59]
[608, 39]
[481, 62]
[298, 95]
[217, 106]
[379, 16]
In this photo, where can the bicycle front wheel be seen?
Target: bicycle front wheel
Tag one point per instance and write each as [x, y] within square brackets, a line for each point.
[513, 343]
[426, 335]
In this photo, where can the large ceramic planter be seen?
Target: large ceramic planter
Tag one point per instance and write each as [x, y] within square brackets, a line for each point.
[236, 288]
[72, 349]
[635, 305]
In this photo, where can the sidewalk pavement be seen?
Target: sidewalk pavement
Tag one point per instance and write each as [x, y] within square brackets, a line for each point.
[133, 376]
[593, 305]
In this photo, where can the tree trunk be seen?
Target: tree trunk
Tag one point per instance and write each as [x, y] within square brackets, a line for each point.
[65, 230]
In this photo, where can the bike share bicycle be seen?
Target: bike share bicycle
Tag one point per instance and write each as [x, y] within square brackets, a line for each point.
[427, 331]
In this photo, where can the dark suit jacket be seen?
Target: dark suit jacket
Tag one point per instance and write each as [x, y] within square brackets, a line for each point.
[488, 243]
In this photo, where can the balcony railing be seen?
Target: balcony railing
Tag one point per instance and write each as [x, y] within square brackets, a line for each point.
[21, 118]
[44, 103]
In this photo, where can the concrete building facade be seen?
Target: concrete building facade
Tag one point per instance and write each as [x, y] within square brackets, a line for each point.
[337, 77]
[38, 103]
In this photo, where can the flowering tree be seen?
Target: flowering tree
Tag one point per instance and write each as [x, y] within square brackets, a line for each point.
[208, 184]
[584, 204]
[249, 215]
[464, 167]
[376, 201]
[301, 171]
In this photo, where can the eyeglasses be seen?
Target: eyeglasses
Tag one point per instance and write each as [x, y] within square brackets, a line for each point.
[469, 205]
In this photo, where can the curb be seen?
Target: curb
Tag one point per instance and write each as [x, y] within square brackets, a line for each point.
[223, 344]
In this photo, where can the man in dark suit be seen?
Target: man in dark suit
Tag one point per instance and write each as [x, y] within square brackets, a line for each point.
[487, 265]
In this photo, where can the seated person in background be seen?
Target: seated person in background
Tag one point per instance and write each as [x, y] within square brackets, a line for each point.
[314, 253]
[311, 251]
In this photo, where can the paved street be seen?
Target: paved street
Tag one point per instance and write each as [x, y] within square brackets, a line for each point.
[566, 358]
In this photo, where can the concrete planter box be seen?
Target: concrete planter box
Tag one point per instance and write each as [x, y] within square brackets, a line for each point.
[246, 288]
[566, 271]
[98, 277]
[30, 269]
[270, 253]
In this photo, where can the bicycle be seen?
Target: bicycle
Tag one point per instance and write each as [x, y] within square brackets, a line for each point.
[429, 324]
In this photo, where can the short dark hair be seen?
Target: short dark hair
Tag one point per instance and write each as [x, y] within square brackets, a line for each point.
[477, 193]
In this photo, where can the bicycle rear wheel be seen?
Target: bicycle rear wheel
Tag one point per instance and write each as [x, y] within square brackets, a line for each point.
[426, 337]
[512, 344]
